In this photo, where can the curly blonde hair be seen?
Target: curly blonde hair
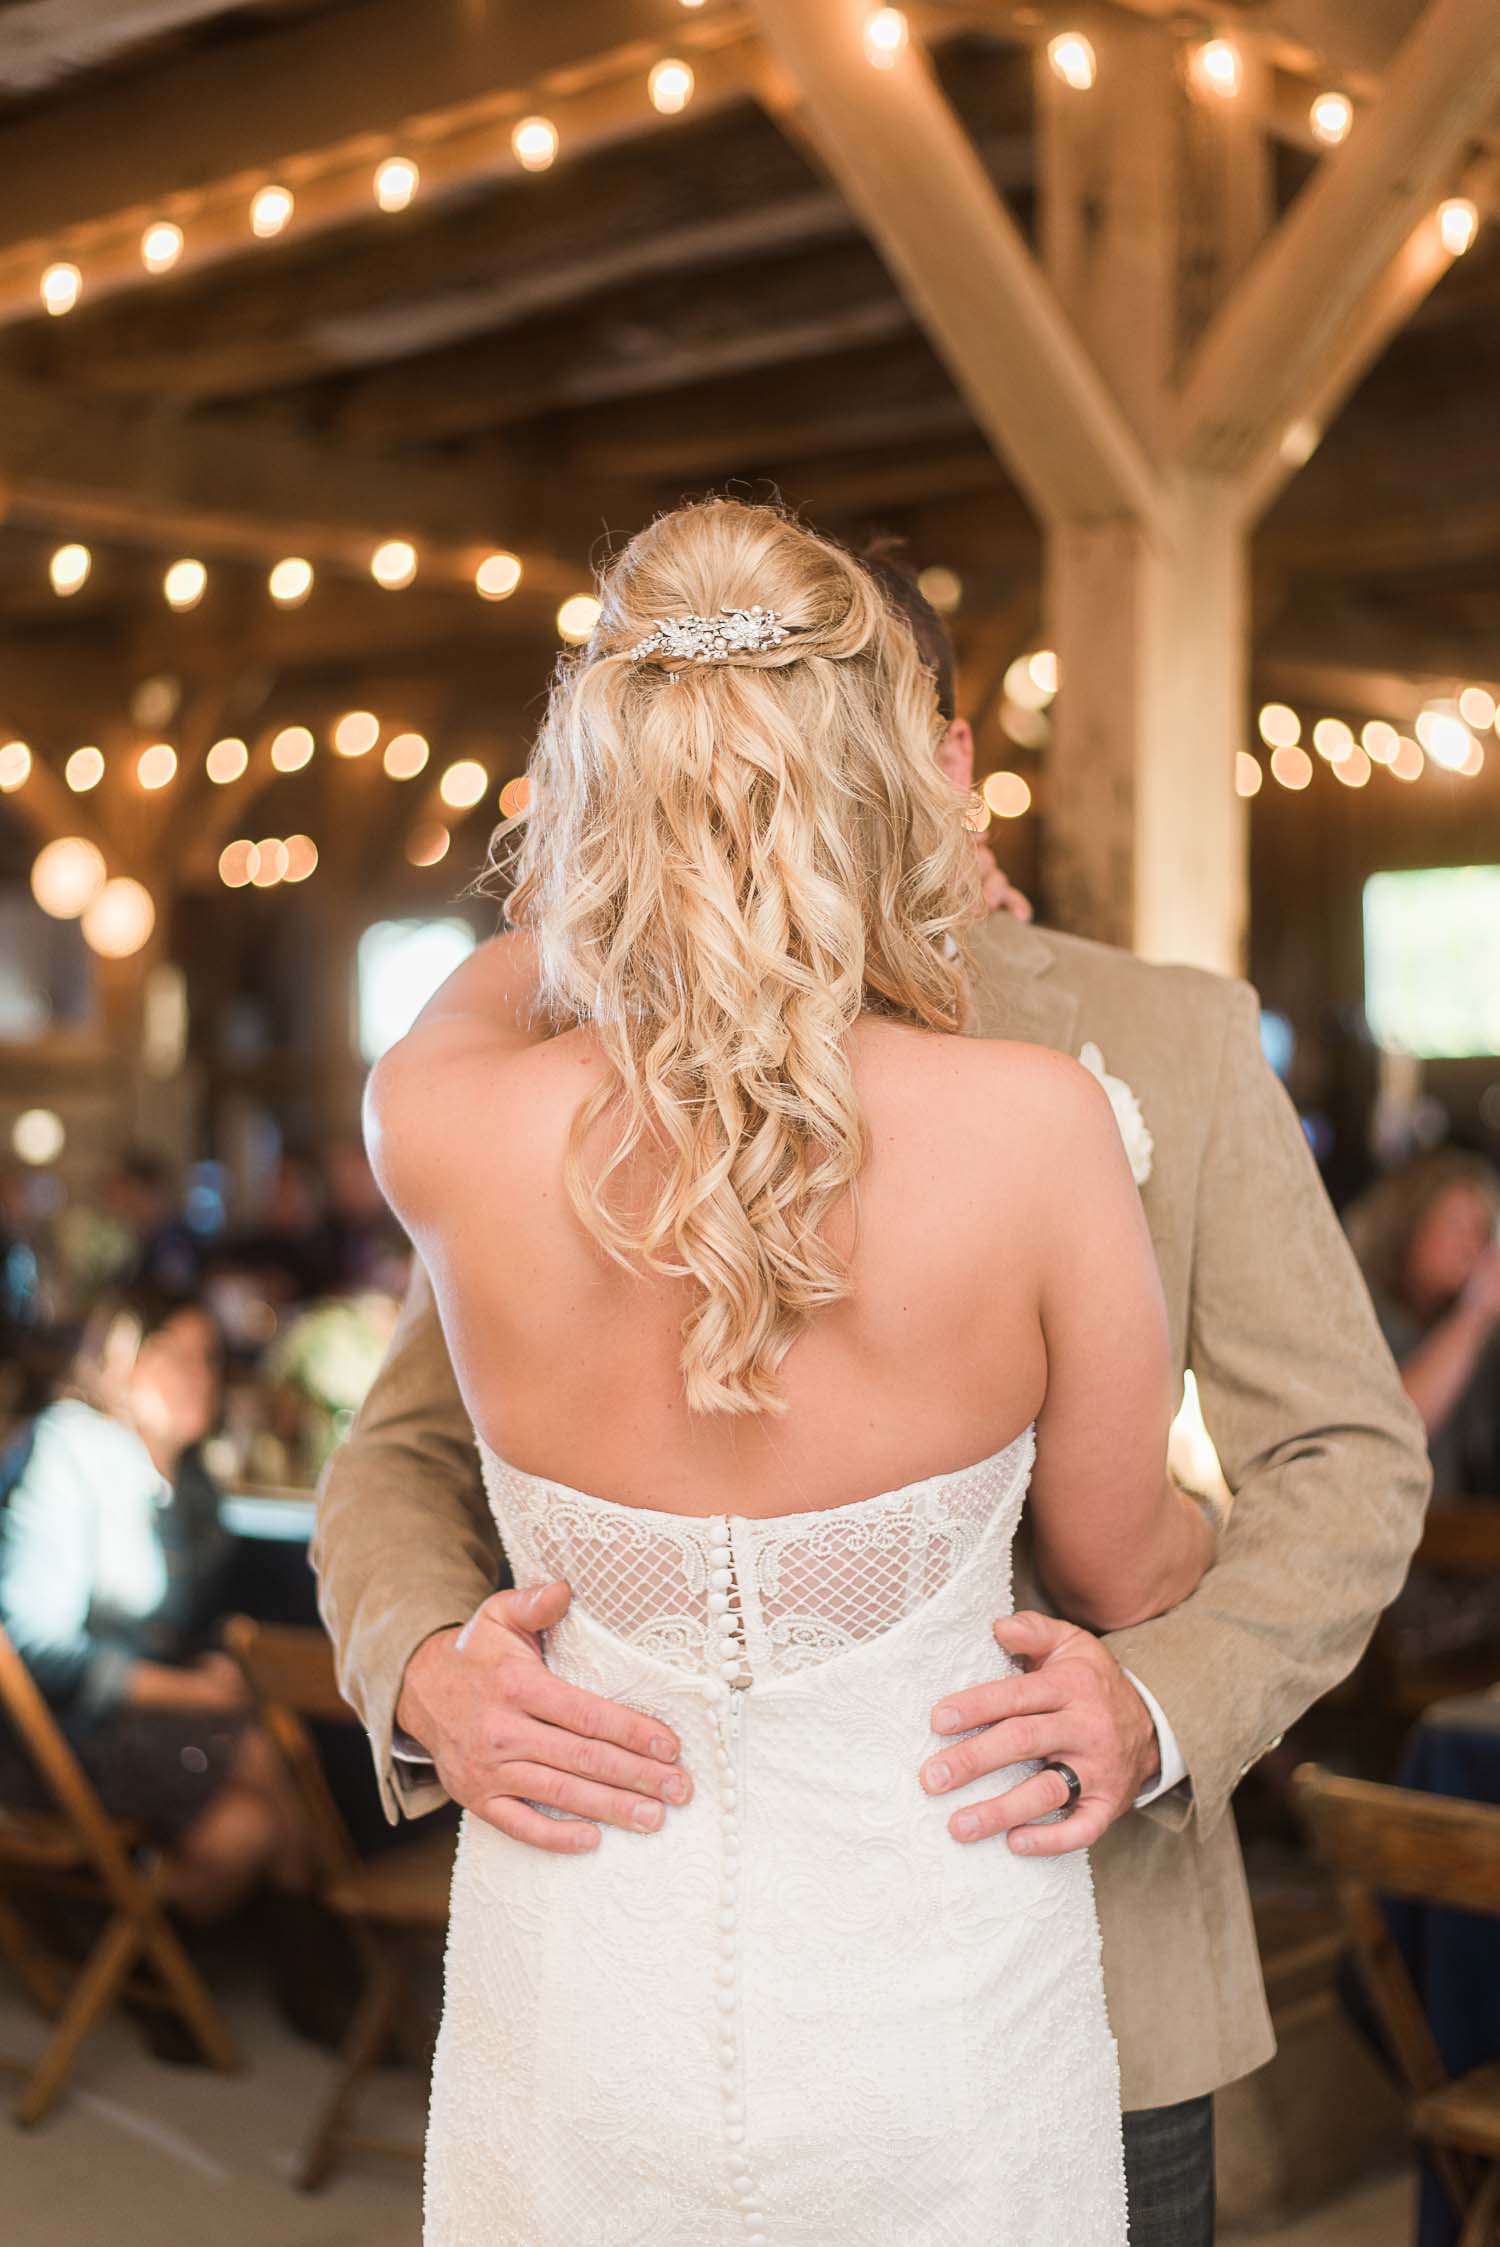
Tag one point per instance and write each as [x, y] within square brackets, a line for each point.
[722, 865]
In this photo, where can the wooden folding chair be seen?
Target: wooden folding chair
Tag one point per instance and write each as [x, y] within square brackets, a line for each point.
[381, 1899]
[1429, 1849]
[74, 1849]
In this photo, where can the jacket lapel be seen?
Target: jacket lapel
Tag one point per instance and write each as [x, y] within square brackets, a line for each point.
[1014, 994]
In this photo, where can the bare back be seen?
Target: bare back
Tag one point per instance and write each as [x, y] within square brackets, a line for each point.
[569, 1365]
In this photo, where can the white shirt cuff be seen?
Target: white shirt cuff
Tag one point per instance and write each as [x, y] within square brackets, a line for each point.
[1173, 1764]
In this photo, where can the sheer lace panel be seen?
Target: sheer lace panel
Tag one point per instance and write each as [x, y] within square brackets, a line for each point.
[803, 1587]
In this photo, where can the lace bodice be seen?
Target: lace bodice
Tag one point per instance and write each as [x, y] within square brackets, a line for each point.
[753, 1599]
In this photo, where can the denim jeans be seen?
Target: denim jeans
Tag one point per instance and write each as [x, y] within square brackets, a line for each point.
[1169, 2175]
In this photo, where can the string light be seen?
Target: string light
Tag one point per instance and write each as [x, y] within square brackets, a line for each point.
[886, 34]
[37, 1137]
[356, 733]
[1330, 118]
[396, 182]
[184, 584]
[161, 246]
[1007, 794]
[69, 569]
[1299, 441]
[156, 766]
[394, 564]
[1444, 736]
[290, 582]
[670, 86]
[405, 755]
[1279, 727]
[1458, 223]
[1248, 777]
[1380, 741]
[1072, 60]
[426, 844]
[227, 760]
[941, 588]
[237, 863]
[120, 919]
[15, 766]
[977, 815]
[515, 797]
[1333, 739]
[534, 143]
[1408, 761]
[1291, 766]
[1476, 706]
[62, 286]
[577, 617]
[1045, 672]
[66, 876]
[301, 858]
[1353, 770]
[271, 861]
[1473, 763]
[497, 576]
[84, 770]
[1215, 68]
[271, 209]
[291, 749]
[1031, 681]
[463, 784]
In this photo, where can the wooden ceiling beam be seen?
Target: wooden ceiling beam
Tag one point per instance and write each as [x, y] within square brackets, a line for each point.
[913, 178]
[1320, 274]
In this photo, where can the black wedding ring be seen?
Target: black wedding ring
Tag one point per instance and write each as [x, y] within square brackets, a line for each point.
[1066, 1772]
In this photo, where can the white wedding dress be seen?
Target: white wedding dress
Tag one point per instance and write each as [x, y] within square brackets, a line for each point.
[801, 2014]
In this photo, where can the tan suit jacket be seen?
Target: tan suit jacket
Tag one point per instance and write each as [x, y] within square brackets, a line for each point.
[1324, 1454]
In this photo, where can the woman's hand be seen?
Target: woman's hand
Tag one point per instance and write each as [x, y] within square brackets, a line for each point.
[215, 1681]
[504, 1733]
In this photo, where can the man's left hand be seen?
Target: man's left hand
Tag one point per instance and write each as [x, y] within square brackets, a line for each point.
[1073, 1704]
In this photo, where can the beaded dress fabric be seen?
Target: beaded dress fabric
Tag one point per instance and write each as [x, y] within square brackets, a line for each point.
[801, 2014]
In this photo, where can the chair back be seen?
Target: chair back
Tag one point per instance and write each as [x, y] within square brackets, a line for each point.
[77, 1804]
[1421, 1846]
[290, 1671]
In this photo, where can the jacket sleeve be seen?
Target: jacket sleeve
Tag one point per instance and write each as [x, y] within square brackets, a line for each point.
[403, 1542]
[1323, 1452]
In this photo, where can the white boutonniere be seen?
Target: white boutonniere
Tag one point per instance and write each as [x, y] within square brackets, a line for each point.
[1139, 1144]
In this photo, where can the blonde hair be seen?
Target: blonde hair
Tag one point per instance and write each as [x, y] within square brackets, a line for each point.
[722, 864]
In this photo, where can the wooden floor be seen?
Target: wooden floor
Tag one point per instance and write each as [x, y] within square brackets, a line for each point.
[142, 2155]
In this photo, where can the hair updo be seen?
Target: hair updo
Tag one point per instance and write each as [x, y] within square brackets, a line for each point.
[722, 864]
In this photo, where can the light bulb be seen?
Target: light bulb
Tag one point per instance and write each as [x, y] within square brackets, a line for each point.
[301, 858]
[428, 843]
[1458, 223]
[37, 1136]
[941, 588]
[1292, 766]
[1216, 68]
[227, 760]
[497, 576]
[84, 770]
[156, 766]
[670, 86]
[270, 210]
[463, 784]
[120, 919]
[1248, 777]
[1007, 794]
[886, 34]
[184, 584]
[291, 749]
[69, 569]
[66, 876]
[1072, 59]
[1380, 741]
[161, 246]
[290, 582]
[396, 182]
[1332, 739]
[237, 863]
[534, 143]
[394, 564]
[15, 766]
[577, 617]
[1476, 706]
[405, 756]
[1330, 117]
[1280, 728]
[62, 286]
[271, 861]
[356, 733]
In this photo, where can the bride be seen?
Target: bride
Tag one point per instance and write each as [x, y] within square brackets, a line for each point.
[774, 1298]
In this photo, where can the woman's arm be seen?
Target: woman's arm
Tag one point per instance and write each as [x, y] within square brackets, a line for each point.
[47, 1537]
[1116, 1542]
[1438, 1371]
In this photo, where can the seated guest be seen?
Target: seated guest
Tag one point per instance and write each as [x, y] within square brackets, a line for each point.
[88, 1595]
[1426, 1242]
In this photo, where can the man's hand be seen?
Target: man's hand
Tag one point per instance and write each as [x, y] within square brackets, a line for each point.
[1000, 892]
[1074, 1703]
[505, 1733]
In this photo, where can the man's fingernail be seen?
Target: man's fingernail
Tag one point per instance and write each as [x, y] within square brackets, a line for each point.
[938, 1775]
[1021, 1843]
[946, 1720]
[664, 1751]
[966, 1823]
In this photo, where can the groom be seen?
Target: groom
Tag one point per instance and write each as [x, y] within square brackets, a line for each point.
[1160, 1723]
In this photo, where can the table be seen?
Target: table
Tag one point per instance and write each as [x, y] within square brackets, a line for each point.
[1453, 1957]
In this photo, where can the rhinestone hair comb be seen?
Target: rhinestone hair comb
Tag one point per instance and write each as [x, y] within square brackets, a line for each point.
[712, 639]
